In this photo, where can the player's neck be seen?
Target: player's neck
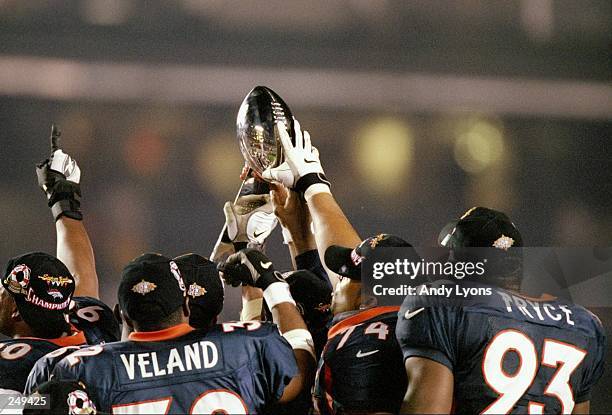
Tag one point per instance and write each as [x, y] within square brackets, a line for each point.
[21, 329]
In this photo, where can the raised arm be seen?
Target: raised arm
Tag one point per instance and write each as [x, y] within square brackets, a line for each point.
[252, 267]
[249, 221]
[331, 225]
[74, 249]
[302, 172]
[59, 177]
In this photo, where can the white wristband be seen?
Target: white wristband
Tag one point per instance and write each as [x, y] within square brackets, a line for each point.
[300, 339]
[251, 310]
[276, 293]
[315, 189]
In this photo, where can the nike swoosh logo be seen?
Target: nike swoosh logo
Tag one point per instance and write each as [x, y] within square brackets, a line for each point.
[361, 354]
[257, 235]
[309, 161]
[408, 314]
[265, 265]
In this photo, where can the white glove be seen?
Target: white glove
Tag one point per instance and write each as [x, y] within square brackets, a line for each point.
[301, 170]
[251, 219]
[66, 165]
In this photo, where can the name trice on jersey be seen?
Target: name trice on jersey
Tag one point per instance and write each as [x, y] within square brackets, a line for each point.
[536, 309]
[195, 356]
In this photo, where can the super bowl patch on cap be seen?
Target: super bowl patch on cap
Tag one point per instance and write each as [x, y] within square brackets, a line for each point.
[151, 288]
[144, 287]
[18, 279]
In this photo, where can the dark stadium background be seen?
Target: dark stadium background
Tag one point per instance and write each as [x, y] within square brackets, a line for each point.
[420, 109]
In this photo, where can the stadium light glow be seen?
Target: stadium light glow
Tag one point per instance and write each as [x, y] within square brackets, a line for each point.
[384, 153]
[216, 167]
[478, 145]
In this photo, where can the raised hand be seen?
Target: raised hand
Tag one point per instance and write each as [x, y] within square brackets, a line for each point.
[59, 177]
[302, 167]
[249, 267]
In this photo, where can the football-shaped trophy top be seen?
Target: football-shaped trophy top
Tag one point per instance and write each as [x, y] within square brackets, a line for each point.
[260, 145]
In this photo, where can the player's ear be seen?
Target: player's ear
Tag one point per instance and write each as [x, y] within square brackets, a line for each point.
[117, 313]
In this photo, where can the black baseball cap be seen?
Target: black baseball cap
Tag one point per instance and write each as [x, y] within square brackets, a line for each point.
[311, 293]
[204, 287]
[151, 288]
[481, 227]
[42, 287]
[347, 261]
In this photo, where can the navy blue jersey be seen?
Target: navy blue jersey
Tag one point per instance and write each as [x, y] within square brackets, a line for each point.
[361, 367]
[237, 368]
[508, 353]
[41, 371]
[18, 356]
[95, 319]
[98, 324]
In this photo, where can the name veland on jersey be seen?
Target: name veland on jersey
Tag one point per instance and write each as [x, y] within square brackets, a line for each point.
[198, 355]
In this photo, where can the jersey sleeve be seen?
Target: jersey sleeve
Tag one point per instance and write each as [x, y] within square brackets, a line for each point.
[596, 363]
[96, 374]
[41, 372]
[278, 363]
[96, 320]
[428, 330]
[63, 370]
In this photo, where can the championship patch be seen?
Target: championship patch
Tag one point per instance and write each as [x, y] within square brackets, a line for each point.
[503, 242]
[376, 240]
[16, 285]
[144, 287]
[196, 290]
[56, 281]
[80, 404]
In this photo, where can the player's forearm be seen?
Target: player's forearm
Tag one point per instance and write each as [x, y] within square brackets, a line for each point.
[330, 224]
[292, 326]
[292, 254]
[74, 249]
[303, 241]
[304, 380]
[582, 408]
[252, 301]
[287, 317]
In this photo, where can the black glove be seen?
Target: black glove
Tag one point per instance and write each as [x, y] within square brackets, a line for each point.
[249, 267]
[59, 177]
